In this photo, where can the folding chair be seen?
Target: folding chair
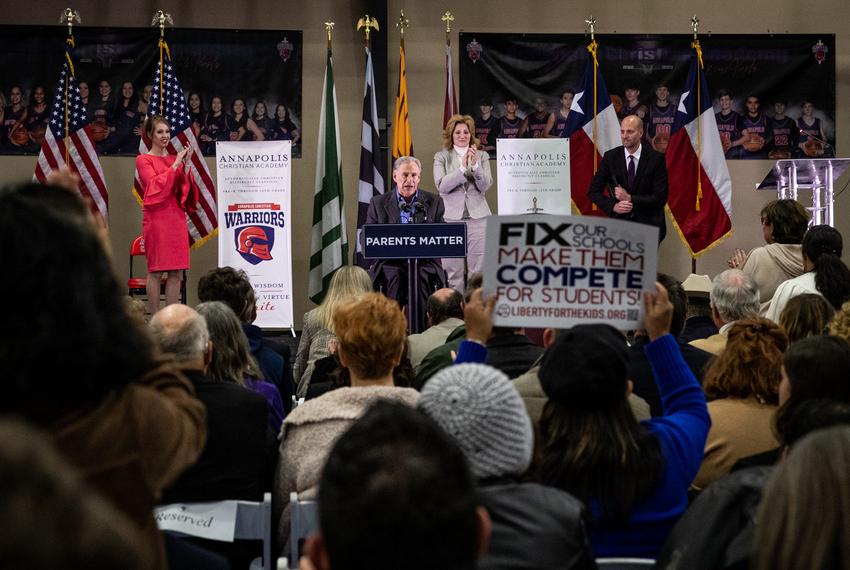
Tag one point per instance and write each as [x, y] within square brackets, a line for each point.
[253, 522]
[137, 286]
[304, 521]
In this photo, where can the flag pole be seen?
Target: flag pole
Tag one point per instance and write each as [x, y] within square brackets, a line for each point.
[68, 16]
[369, 24]
[448, 18]
[698, 48]
[160, 18]
[592, 47]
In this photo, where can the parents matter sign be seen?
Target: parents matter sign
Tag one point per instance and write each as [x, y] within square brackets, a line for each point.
[255, 226]
[561, 271]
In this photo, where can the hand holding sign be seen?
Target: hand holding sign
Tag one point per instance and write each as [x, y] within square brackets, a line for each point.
[623, 207]
[621, 194]
[658, 312]
[478, 315]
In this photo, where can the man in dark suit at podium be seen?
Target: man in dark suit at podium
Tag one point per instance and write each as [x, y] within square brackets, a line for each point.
[406, 204]
[631, 183]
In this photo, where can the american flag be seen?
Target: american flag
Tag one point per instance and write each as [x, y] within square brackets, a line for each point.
[167, 100]
[82, 156]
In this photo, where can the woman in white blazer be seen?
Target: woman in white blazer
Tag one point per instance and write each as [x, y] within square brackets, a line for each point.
[462, 175]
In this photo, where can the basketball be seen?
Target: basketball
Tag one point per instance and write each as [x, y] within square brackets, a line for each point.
[755, 143]
[19, 137]
[99, 131]
[779, 154]
[813, 148]
[660, 142]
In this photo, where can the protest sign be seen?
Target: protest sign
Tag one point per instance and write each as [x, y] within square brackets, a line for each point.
[560, 271]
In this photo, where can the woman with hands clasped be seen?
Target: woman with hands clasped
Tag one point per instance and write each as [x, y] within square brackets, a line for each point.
[462, 175]
[169, 192]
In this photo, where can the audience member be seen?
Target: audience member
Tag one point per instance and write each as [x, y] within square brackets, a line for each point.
[742, 389]
[233, 288]
[825, 273]
[441, 357]
[533, 526]
[443, 314]
[347, 283]
[397, 493]
[717, 530]
[235, 460]
[632, 477]
[783, 224]
[698, 321]
[534, 398]
[640, 370]
[804, 515]
[839, 325]
[232, 360]
[806, 315]
[734, 296]
[77, 365]
[50, 519]
[371, 334]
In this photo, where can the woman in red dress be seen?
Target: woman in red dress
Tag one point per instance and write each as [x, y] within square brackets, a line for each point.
[169, 192]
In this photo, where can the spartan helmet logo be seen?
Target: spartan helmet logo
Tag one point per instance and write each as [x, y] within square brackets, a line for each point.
[254, 243]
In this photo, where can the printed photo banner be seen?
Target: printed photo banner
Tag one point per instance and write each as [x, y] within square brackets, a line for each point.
[533, 173]
[255, 229]
[793, 69]
[561, 271]
[252, 66]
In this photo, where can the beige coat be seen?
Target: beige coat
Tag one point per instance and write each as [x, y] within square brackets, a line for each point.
[309, 432]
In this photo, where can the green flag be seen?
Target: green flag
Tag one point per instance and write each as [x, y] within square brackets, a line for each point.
[329, 246]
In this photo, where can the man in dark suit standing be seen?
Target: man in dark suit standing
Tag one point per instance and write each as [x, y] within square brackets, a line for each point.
[407, 204]
[631, 183]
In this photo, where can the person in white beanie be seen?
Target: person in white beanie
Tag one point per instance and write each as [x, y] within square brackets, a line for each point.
[533, 526]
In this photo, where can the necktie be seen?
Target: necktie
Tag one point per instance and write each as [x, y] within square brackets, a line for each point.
[631, 173]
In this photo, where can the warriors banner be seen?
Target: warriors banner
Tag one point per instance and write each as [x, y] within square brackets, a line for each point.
[255, 229]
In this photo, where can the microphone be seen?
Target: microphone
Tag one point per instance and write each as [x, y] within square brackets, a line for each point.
[420, 215]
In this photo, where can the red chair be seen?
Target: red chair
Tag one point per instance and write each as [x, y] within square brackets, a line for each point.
[137, 286]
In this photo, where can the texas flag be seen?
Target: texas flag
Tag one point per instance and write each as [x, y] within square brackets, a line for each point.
[700, 198]
[593, 129]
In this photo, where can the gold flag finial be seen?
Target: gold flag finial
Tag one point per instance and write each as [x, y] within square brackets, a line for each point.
[329, 28]
[368, 23]
[695, 26]
[68, 17]
[448, 18]
[591, 23]
[160, 18]
[402, 24]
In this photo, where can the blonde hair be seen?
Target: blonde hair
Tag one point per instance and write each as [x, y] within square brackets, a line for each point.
[150, 124]
[840, 324]
[454, 121]
[347, 283]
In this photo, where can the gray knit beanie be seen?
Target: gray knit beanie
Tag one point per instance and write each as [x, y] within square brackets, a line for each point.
[481, 409]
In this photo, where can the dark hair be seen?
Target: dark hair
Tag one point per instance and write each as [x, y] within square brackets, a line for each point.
[593, 447]
[754, 96]
[812, 415]
[200, 100]
[511, 98]
[679, 298]
[724, 93]
[398, 471]
[76, 325]
[50, 517]
[440, 308]
[822, 245]
[816, 367]
[788, 218]
[473, 282]
[230, 286]
[568, 90]
[749, 366]
[603, 455]
[806, 315]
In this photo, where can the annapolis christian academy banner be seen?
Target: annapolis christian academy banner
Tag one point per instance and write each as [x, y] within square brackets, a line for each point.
[255, 232]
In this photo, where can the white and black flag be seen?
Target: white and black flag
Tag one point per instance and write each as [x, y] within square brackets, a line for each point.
[371, 179]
